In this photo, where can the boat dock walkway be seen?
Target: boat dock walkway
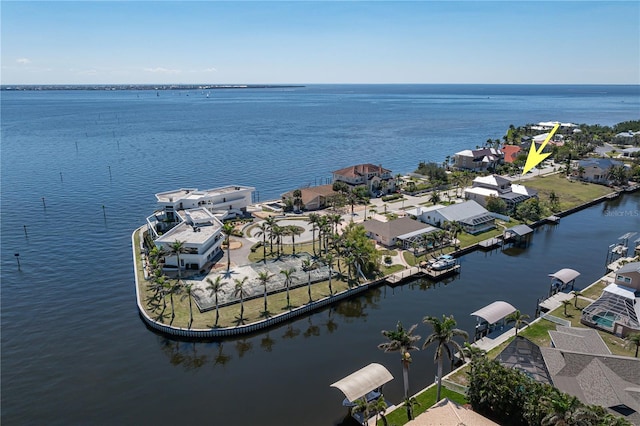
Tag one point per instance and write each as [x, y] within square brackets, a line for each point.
[555, 301]
[490, 243]
[416, 271]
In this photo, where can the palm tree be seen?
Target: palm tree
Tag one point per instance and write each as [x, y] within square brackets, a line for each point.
[263, 230]
[240, 291]
[277, 232]
[443, 333]
[270, 223]
[401, 340]
[227, 230]
[215, 287]
[264, 277]
[435, 197]
[576, 294]
[518, 319]
[633, 339]
[565, 303]
[176, 248]
[313, 221]
[173, 288]
[288, 273]
[329, 260]
[472, 352]
[189, 293]
[294, 231]
[307, 265]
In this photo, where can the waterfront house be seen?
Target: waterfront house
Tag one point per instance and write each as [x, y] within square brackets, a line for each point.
[617, 310]
[404, 230]
[472, 216]
[224, 201]
[594, 170]
[314, 197]
[375, 178]
[484, 187]
[478, 159]
[525, 356]
[200, 231]
[511, 153]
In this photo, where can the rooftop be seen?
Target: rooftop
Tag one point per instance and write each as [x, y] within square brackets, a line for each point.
[361, 169]
[193, 193]
[463, 211]
[397, 227]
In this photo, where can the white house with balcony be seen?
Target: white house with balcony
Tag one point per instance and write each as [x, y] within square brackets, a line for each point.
[200, 231]
[223, 201]
[496, 186]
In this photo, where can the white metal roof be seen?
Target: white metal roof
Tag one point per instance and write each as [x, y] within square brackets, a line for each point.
[619, 290]
[495, 311]
[565, 275]
[363, 381]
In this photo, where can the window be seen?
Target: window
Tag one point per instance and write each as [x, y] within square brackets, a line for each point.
[623, 279]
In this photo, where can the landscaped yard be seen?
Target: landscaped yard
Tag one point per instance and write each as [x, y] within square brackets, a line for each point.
[570, 193]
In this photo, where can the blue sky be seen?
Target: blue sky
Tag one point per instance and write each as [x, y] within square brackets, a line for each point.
[562, 42]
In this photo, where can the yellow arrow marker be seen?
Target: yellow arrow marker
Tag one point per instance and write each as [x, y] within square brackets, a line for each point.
[536, 157]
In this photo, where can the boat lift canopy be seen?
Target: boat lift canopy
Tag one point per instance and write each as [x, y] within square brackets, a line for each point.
[358, 384]
[495, 311]
[565, 275]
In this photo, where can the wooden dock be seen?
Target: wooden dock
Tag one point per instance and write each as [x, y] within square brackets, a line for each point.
[416, 271]
[490, 243]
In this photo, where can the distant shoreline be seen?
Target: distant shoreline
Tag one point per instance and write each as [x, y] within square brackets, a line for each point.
[102, 87]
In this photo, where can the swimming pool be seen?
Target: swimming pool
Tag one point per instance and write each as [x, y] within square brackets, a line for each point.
[605, 320]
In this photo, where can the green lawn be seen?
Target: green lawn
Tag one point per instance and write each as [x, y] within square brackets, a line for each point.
[595, 291]
[570, 193]
[426, 399]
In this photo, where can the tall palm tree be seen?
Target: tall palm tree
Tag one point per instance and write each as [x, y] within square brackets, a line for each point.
[215, 288]
[173, 288]
[227, 230]
[241, 292]
[443, 333]
[307, 265]
[576, 294]
[263, 230]
[271, 223]
[329, 260]
[176, 248]
[313, 221]
[294, 231]
[264, 277]
[633, 339]
[517, 319]
[565, 303]
[277, 232]
[288, 273]
[189, 291]
[401, 340]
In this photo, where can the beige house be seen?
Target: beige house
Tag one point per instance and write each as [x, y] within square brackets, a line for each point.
[314, 197]
[404, 230]
[375, 178]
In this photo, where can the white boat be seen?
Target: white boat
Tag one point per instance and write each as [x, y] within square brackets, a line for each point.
[444, 261]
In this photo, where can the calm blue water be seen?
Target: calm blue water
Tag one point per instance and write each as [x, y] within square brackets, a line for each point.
[74, 350]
